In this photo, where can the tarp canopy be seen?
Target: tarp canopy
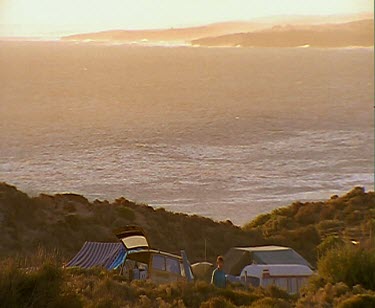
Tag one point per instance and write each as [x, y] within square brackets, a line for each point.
[202, 269]
[133, 237]
[238, 257]
[92, 254]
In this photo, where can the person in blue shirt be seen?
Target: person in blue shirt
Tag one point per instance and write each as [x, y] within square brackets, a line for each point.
[218, 275]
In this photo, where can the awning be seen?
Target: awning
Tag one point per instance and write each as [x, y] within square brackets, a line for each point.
[93, 254]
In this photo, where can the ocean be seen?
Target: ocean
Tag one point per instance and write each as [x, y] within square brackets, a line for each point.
[228, 133]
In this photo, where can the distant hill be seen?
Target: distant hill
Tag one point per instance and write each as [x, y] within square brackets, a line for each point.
[211, 31]
[355, 33]
[64, 222]
[172, 34]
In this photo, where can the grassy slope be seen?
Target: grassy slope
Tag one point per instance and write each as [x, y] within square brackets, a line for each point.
[65, 222]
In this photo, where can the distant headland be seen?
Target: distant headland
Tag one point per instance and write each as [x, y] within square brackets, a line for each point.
[323, 32]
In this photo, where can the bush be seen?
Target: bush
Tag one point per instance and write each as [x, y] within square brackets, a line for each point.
[126, 213]
[358, 301]
[275, 292]
[269, 302]
[257, 222]
[38, 288]
[308, 214]
[217, 302]
[238, 297]
[329, 243]
[350, 265]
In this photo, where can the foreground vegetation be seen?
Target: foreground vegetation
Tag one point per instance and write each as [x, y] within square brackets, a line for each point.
[336, 236]
[343, 280]
[51, 286]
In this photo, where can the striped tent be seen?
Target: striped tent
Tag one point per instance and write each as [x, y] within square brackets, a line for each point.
[92, 254]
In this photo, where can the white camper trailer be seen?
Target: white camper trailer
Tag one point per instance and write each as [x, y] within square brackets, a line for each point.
[290, 277]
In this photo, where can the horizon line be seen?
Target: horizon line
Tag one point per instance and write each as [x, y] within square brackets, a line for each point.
[186, 26]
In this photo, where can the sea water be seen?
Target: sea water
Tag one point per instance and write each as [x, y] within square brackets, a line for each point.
[227, 133]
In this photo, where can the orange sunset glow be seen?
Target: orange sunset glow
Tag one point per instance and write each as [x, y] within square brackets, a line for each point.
[187, 153]
[55, 18]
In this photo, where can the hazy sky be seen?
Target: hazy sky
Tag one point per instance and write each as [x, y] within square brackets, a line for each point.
[53, 17]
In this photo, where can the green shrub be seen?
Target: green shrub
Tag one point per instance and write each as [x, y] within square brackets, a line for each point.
[217, 302]
[308, 214]
[34, 288]
[73, 221]
[350, 265]
[275, 292]
[269, 302]
[238, 297]
[126, 213]
[358, 301]
[257, 222]
[329, 243]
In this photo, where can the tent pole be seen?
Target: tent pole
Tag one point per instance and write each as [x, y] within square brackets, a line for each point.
[205, 250]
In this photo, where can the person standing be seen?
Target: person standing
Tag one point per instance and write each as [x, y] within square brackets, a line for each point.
[218, 275]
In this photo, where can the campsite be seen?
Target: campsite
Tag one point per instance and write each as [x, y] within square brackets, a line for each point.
[187, 154]
[135, 259]
[80, 228]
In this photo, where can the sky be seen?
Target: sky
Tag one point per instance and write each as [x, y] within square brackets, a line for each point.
[61, 17]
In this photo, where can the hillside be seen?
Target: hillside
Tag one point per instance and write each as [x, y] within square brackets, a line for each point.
[356, 33]
[305, 226]
[278, 31]
[65, 222]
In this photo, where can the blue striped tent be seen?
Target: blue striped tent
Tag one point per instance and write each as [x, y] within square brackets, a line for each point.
[92, 254]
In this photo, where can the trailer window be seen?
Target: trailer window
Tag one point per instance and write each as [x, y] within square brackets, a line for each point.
[158, 262]
[173, 266]
[254, 281]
